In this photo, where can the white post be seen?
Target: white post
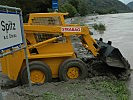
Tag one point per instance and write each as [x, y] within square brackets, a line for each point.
[26, 54]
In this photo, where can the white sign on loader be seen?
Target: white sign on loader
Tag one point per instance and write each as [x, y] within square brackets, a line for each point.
[10, 30]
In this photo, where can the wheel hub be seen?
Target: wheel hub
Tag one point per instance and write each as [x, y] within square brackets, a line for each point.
[73, 73]
[37, 76]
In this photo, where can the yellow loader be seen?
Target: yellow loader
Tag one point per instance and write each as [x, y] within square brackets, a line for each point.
[51, 54]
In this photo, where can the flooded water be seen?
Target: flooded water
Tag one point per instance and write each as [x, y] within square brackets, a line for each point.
[119, 30]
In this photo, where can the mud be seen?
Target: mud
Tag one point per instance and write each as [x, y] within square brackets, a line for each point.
[74, 90]
[130, 86]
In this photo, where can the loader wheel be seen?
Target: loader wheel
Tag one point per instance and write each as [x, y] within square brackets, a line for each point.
[39, 73]
[72, 69]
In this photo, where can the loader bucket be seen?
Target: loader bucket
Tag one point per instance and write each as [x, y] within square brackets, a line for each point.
[112, 56]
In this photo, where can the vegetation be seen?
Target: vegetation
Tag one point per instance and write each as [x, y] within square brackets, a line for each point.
[115, 87]
[85, 7]
[29, 6]
[51, 96]
[68, 8]
[96, 89]
[99, 27]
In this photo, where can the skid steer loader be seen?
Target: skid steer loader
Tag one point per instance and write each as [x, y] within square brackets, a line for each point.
[51, 54]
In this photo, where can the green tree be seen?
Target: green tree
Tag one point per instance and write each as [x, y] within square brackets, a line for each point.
[29, 6]
[83, 8]
[75, 3]
[68, 8]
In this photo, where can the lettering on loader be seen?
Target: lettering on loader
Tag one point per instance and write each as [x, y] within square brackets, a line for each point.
[71, 29]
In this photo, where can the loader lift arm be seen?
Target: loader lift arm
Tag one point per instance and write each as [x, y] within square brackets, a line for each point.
[89, 42]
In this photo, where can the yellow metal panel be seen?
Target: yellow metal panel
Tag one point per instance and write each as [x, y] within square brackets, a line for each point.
[53, 29]
[3, 62]
[31, 38]
[72, 24]
[42, 43]
[54, 64]
[42, 28]
[32, 15]
[90, 44]
[54, 48]
[38, 56]
[13, 64]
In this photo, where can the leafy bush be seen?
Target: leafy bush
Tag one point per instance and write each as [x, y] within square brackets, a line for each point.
[68, 8]
[83, 8]
[99, 27]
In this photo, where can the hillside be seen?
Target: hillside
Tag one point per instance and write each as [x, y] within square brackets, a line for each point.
[99, 6]
[74, 7]
[130, 5]
[108, 6]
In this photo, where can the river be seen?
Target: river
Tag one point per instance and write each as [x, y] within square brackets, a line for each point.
[119, 30]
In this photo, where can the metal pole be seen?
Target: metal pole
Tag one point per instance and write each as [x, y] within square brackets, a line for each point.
[11, 52]
[26, 54]
[7, 7]
[1, 98]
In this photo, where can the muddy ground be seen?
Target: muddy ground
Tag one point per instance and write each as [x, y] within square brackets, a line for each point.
[98, 88]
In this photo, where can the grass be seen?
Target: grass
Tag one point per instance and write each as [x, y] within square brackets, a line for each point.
[101, 90]
[51, 96]
[117, 88]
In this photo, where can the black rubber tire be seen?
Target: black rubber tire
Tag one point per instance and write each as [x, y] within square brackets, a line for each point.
[72, 63]
[39, 66]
